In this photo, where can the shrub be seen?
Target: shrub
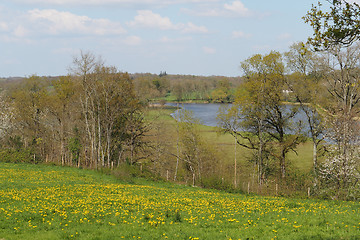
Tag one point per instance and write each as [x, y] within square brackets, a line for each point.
[216, 182]
[23, 155]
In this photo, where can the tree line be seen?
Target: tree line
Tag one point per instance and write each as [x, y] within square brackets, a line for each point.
[180, 88]
[90, 118]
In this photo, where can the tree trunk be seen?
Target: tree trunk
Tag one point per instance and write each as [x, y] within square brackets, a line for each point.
[235, 167]
[177, 147]
[315, 159]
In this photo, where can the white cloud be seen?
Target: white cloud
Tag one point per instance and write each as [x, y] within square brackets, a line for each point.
[235, 9]
[192, 28]
[209, 50]
[35, 25]
[174, 40]
[53, 22]
[166, 40]
[149, 19]
[50, 22]
[240, 34]
[20, 31]
[133, 40]
[4, 26]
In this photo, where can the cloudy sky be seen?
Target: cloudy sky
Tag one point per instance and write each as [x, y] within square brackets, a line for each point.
[198, 37]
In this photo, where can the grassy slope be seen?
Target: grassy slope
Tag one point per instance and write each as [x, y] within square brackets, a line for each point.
[46, 202]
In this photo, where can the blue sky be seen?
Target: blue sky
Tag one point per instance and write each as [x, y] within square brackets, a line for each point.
[197, 37]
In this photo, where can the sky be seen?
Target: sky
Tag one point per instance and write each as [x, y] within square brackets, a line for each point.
[195, 37]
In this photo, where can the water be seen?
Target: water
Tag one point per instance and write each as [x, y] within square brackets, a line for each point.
[207, 114]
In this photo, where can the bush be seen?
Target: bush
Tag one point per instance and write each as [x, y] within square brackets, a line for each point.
[124, 172]
[216, 182]
[127, 172]
[23, 155]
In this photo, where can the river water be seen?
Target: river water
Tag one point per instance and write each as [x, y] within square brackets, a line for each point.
[206, 113]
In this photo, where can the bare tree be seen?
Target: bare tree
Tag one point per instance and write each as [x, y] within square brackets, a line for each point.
[305, 84]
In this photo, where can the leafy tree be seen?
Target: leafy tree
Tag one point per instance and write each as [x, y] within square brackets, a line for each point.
[29, 112]
[258, 115]
[219, 95]
[336, 31]
[178, 91]
[338, 26]
[108, 105]
[222, 92]
[145, 89]
[75, 146]
[339, 103]
[60, 106]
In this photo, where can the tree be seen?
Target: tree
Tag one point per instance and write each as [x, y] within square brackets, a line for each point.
[340, 26]
[342, 82]
[74, 145]
[222, 92]
[118, 104]
[60, 106]
[29, 110]
[195, 153]
[336, 31]
[190, 144]
[6, 115]
[178, 91]
[84, 71]
[229, 121]
[339, 177]
[110, 111]
[304, 83]
[263, 121]
[146, 89]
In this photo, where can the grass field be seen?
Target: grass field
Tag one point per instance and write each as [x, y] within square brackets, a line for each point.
[49, 202]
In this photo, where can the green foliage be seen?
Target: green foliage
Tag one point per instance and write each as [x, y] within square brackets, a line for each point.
[340, 25]
[222, 93]
[216, 182]
[197, 155]
[151, 87]
[99, 100]
[18, 156]
[15, 142]
[74, 146]
[259, 116]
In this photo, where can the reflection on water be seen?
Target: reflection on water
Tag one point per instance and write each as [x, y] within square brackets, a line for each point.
[207, 113]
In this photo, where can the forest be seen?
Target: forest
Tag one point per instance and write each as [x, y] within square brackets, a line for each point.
[100, 118]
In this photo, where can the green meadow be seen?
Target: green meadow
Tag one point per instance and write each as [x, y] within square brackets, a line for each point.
[51, 202]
